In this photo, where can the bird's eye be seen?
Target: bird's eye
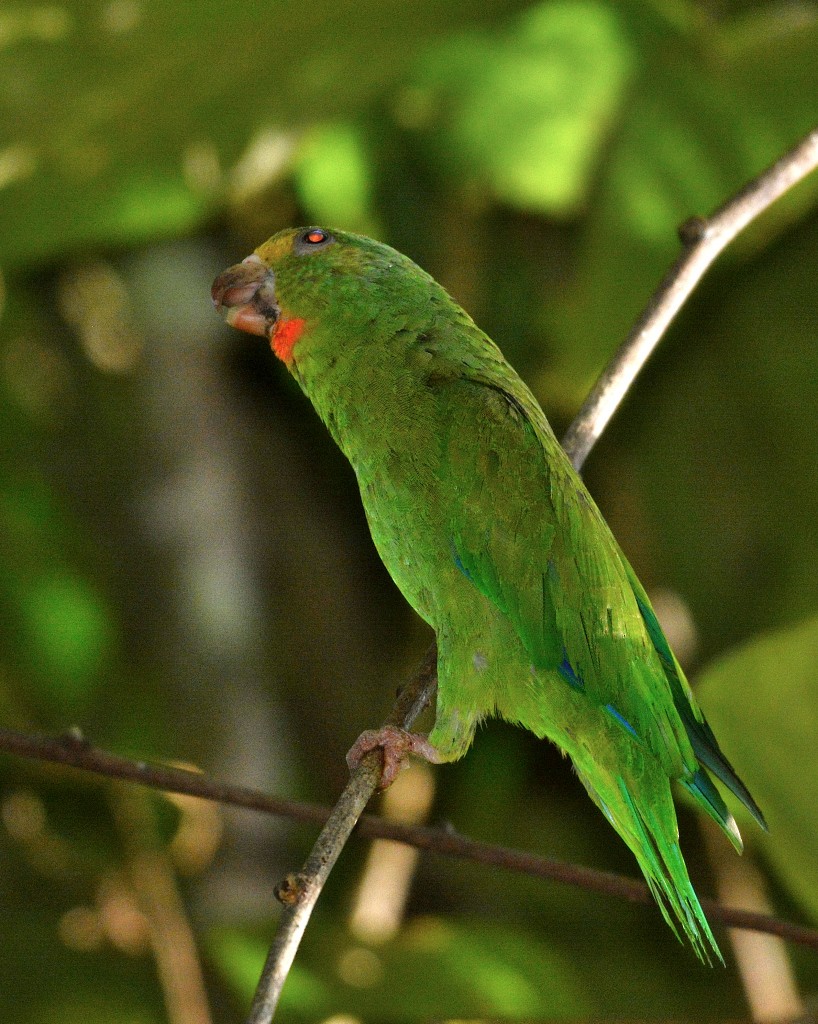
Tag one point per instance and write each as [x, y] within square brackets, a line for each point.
[312, 239]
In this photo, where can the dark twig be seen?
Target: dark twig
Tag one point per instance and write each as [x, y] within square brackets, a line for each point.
[74, 752]
[299, 893]
[702, 240]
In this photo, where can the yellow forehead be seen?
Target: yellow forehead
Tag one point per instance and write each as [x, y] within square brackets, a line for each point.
[277, 246]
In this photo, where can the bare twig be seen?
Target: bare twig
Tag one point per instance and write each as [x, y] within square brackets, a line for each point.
[155, 885]
[73, 750]
[762, 961]
[299, 893]
[76, 753]
[702, 240]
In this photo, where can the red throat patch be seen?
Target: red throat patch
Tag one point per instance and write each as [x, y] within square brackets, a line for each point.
[285, 335]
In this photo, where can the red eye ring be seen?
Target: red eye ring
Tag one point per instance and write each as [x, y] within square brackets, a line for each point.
[311, 240]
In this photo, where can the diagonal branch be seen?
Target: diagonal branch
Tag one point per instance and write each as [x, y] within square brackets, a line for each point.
[703, 239]
[73, 751]
[299, 893]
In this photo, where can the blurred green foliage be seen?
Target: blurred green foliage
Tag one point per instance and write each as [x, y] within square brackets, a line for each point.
[776, 731]
[469, 968]
[186, 573]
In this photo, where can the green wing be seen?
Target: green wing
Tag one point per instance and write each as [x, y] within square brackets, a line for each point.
[530, 538]
[527, 534]
[704, 743]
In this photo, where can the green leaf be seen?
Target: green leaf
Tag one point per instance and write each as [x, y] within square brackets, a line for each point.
[523, 115]
[125, 121]
[703, 115]
[68, 628]
[333, 179]
[762, 702]
[55, 622]
[471, 968]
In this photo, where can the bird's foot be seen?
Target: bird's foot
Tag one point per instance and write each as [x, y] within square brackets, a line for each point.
[395, 744]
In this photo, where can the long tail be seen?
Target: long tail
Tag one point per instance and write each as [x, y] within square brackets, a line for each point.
[648, 826]
[704, 743]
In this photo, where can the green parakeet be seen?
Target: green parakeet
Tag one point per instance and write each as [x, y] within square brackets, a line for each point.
[492, 538]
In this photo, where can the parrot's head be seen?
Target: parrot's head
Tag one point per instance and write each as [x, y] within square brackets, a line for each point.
[319, 295]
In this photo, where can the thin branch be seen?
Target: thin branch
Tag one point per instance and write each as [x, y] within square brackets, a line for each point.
[155, 885]
[702, 240]
[74, 752]
[299, 893]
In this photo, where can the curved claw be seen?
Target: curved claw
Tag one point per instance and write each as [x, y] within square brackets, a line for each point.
[395, 744]
[247, 293]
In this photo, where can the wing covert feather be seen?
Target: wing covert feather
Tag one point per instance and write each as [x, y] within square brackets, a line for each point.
[527, 534]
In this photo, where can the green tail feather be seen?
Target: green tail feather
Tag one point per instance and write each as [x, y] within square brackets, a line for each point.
[706, 795]
[649, 829]
[709, 754]
[704, 743]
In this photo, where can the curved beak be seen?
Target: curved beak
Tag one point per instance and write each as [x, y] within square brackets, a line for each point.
[245, 294]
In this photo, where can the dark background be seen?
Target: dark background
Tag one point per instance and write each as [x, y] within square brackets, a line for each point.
[186, 572]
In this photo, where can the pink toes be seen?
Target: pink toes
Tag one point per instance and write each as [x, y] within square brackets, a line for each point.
[395, 744]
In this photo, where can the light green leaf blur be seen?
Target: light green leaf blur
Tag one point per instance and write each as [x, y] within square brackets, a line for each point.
[762, 700]
[186, 574]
